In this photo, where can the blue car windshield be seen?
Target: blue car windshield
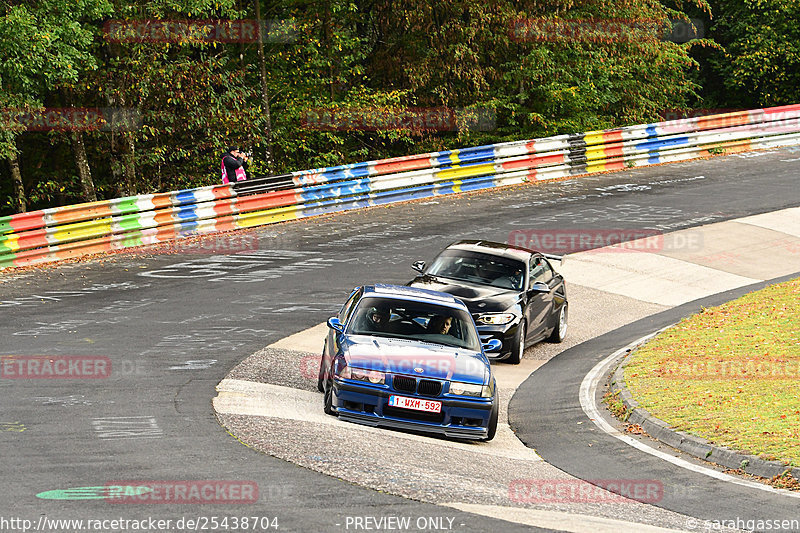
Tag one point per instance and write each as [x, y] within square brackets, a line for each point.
[420, 321]
[475, 267]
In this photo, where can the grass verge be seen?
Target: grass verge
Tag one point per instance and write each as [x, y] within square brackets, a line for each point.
[729, 374]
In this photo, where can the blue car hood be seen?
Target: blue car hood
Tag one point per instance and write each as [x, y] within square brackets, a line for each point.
[415, 358]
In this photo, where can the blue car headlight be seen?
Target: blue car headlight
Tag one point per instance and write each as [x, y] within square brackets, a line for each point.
[495, 319]
[470, 389]
[370, 376]
[341, 370]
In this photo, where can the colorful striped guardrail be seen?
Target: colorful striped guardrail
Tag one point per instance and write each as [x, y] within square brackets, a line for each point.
[70, 231]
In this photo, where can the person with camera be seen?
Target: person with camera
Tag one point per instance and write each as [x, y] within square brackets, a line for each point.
[234, 163]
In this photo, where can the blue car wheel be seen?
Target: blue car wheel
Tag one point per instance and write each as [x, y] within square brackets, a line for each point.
[329, 410]
[492, 428]
[320, 382]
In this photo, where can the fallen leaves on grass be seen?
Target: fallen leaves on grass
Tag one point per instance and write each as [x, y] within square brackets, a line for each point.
[729, 374]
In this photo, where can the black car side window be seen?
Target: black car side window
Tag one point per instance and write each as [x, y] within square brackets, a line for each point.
[540, 271]
[537, 268]
[547, 271]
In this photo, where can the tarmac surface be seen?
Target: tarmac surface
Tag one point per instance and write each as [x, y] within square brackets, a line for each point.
[270, 398]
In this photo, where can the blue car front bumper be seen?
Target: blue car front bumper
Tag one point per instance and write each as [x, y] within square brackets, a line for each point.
[462, 419]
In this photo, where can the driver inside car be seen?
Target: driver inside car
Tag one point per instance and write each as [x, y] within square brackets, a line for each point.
[378, 318]
[510, 281]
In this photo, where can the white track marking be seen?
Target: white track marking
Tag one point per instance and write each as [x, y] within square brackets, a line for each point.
[588, 391]
[248, 398]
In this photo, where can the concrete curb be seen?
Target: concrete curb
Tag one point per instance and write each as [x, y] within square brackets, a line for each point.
[693, 445]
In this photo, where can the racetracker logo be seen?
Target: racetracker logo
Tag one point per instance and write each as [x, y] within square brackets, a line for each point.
[567, 241]
[752, 369]
[54, 367]
[180, 492]
[602, 30]
[415, 120]
[591, 491]
[432, 367]
[209, 31]
[215, 244]
[70, 119]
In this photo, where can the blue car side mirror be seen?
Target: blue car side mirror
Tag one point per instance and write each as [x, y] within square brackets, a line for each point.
[335, 324]
[493, 345]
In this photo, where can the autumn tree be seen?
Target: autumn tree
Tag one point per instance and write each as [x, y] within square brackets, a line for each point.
[43, 46]
[760, 63]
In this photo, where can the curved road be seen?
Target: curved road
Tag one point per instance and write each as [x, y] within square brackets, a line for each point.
[172, 324]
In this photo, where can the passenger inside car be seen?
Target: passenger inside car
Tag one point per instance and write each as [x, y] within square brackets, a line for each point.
[440, 324]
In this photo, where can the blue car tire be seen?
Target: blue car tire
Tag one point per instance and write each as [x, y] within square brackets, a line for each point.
[492, 427]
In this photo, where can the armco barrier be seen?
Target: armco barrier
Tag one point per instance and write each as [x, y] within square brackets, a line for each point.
[71, 231]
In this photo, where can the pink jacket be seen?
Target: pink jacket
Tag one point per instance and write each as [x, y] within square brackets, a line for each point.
[239, 172]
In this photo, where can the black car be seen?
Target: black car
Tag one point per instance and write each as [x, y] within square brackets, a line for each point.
[513, 294]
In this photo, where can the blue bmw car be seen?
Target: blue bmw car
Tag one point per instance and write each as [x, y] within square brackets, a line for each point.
[409, 358]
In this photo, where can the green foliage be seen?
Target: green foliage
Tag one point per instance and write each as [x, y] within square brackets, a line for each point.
[534, 68]
[42, 47]
[761, 62]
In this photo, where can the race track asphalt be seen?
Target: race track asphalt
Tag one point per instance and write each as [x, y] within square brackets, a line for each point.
[174, 323]
[546, 414]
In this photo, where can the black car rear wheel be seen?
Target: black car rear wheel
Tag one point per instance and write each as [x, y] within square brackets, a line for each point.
[560, 331]
[517, 345]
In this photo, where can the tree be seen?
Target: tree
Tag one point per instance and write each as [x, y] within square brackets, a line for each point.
[332, 82]
[190, 98]
[42, 47]
[760, 65]
[544, 68]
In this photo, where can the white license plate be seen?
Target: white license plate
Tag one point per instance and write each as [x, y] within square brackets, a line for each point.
[416, 404]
